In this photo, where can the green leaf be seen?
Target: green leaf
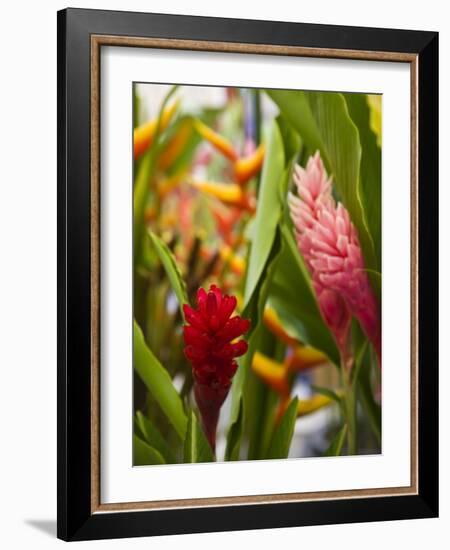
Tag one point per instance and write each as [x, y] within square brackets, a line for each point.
[295, 108]
[370, 178]
[336, 445]
[153, 437]
[235, 435]
[291, 143]
[144, 454]
[365, 393]
[323, 122]
[171, 269]
[260, 400]
[281, 441]
[158, 382]
[268, 212]
[241, 375]
[253, 311]
[196, 446]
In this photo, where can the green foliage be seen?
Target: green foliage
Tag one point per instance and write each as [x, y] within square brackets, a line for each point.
[151, 435]
[166, 430]
[370, 180]
[171, 269]
[158, 382]
[365, 389]
[260, 401]
[235, 435]
[196, 446]
[337, 443]
[268, 212]
[264, 250]
[144, 454]
[323, 121]
[241, 375]
[281, 441]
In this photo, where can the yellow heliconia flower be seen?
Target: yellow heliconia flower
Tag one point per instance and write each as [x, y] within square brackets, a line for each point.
[246, 168]
[313, 404]
[273, 323]
[305, 357]
[176, 145]
[236, 263]
[305, 406]
[166, 185]
[216, 140]
[230, 193]
[149, 214]
[271, 372]
[169, 219]
[144, 134]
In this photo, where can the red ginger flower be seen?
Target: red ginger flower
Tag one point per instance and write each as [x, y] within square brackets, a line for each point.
[210, 347]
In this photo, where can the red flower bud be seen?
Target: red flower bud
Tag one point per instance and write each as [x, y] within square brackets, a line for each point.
[210, 347]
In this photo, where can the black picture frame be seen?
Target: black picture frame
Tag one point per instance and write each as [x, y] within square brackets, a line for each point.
[76, 521]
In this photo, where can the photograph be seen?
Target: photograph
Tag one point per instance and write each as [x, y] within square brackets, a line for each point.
[257, 274]
[247, 274]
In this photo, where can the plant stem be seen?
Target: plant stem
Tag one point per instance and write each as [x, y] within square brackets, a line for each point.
[349, 405]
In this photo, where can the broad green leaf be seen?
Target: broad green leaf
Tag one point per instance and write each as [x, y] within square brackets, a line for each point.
[261, 430]
[234, 436]
[196, 446]
[253, 311]
[323, 122]
[268, 212]
[144, 454]
[295, 108]
[365, 393]
[282, 437]
[171, 269]
[336, 445]
[158, 382]
[241, 375]
[254, 308]
[260, 400]
[271, 197]
[291, 142]
[370, 182]
[153, 437]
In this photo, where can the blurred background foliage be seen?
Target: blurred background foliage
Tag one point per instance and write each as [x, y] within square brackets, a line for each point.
[212, 168]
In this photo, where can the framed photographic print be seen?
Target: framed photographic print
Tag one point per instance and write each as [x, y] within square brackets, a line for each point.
[247, 256]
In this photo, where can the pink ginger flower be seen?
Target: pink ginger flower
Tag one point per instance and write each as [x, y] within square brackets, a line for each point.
[329, 243]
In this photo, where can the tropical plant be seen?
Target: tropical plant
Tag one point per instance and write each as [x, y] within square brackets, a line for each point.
[257, 276]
